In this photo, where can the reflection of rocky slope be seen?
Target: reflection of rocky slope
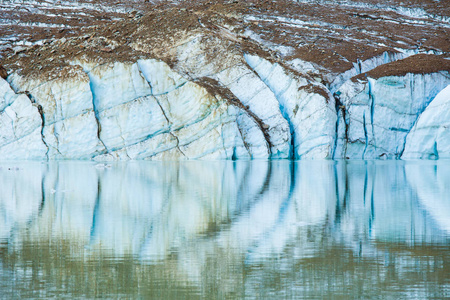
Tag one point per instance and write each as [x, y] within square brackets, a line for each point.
[222, 79]
[231, 223]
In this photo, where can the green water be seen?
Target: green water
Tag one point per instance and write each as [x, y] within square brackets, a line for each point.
[225, 230]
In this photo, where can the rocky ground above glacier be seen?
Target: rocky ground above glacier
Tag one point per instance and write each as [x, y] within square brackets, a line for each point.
[109, 80]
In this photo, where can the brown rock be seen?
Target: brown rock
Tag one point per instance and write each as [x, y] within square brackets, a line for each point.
[3, 73]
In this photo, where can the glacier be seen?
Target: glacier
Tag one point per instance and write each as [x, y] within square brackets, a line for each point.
[234, 81]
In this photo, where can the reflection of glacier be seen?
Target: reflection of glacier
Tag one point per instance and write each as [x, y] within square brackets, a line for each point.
[241, 211]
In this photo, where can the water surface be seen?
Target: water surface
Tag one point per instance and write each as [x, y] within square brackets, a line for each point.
[225, 230]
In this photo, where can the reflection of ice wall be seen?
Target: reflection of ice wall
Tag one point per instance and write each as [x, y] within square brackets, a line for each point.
[430, 182]
[377, 204]
[20, 196]
[68, 201]
[249, 210]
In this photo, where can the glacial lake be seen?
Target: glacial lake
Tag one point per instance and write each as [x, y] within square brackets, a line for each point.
[225, 230]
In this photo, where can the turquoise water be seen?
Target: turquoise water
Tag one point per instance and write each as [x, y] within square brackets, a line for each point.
[225, 230]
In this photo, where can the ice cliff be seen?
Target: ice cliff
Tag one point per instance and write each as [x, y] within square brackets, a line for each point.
[377, 115]
[120, 112]
[189, 83]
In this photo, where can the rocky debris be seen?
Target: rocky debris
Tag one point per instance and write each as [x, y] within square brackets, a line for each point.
[416, 64]
[330, 35]
[3, 72]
